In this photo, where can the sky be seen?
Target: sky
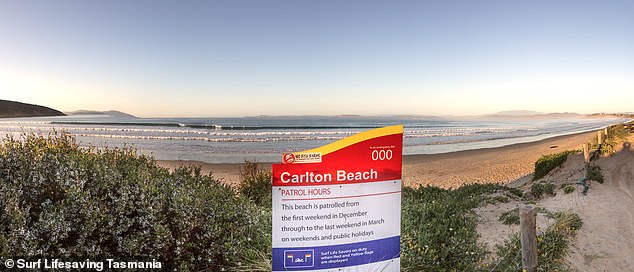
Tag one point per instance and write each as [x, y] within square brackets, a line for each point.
[243, 58]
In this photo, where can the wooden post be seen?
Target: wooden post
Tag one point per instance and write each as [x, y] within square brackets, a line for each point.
[528, 235]
[586, 153]
[599, 134]
[605, 131]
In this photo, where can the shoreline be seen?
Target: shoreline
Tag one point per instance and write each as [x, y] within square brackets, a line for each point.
[486, 165]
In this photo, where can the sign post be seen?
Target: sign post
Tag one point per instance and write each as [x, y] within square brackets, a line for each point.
[338, 207]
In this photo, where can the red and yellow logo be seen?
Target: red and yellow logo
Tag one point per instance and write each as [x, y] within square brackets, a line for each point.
[288, 158]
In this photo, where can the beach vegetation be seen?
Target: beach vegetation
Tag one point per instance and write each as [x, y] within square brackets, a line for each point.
[547, 163]
[439, 227]
[511, 217]
[540, 189]
[255, 184]
[568, 188]
[594, 173]
[58, 199]
[516, 192]
[552, 246]
[617, 134]
[499, 199]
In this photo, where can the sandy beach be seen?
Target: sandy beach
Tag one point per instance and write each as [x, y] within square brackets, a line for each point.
[489, 165]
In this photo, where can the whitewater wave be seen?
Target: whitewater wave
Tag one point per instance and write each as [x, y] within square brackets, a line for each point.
[217, 140]
[235, 136]
[412, 133]
[224, 136]
[208, 126]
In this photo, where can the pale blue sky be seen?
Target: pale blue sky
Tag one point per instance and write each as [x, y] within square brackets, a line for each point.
[239, 58]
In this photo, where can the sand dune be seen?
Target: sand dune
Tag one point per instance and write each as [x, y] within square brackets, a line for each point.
[605, 242]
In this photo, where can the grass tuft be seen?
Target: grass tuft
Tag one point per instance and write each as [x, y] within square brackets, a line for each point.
[539, 189]
[511, 217]
[569, 189]
[255, 184]
[552, 246]
[595, 173]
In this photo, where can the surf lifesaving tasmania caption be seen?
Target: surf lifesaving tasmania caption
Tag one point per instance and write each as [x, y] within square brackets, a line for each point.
[55, 264]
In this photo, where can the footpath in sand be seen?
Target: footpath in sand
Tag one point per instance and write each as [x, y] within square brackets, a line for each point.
[606, 240]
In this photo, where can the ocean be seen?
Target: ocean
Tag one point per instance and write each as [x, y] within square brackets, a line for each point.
[264, 139]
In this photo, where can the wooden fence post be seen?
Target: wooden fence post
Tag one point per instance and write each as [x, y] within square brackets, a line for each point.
[528, 237]
[605, 131]
[586, 153]
[599, 134]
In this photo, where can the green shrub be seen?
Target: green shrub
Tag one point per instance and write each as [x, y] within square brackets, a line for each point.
[255, 184]
[616, 135]
[511, 217]
[498, 199]
[568, 189]
[547, 163]
[61, 200]
[539, 189]
[552, 246]
[516, 192]
[439, 229]
[595, 173]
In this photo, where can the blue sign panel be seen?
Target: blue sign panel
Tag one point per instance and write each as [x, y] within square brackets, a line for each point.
[327, 257]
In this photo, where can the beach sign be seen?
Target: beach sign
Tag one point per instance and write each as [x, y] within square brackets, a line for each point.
[338, 207]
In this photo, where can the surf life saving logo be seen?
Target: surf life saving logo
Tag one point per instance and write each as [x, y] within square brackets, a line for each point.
[301, 157]
[288, 158]
[339, 206]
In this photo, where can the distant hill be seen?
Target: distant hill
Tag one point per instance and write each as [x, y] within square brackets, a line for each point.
[351, 116]
[524, 114]
[110, 113]
[518, 113]
[11, 109]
